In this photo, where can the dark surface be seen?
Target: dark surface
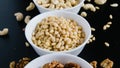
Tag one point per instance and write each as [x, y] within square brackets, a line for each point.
[12, 46]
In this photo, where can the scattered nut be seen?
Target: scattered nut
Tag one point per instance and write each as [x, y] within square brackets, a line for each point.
[27, 19]
[97, 7]
[27, 44]
[94, 64]
[107, 63]
[30, 7]
[4, 32]
[19, 16]
[110, 16]
[92, 38]
[106, 26]
[89, 6]
[107, 44]
[114, 5]
[83, 14]
[100, 2]
[12, 64]
[93, 29]
[109, 23]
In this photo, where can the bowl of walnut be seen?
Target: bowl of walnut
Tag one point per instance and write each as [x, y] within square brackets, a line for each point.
[58, 60]
[58, 31]
[67, 5]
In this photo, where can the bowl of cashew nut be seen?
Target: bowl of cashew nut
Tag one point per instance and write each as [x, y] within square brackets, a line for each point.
[58, 60]
[58, 31]
[67, 5]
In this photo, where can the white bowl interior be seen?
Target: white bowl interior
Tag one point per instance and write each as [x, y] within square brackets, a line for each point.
[61, 57]
[33, 22]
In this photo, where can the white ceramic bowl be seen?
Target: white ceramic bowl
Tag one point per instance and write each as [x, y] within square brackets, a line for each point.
[80, 20]
[60, 57]
[74, 9]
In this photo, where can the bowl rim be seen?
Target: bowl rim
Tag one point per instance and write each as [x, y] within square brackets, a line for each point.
[80, 3]
[45, 50]
[59, 54]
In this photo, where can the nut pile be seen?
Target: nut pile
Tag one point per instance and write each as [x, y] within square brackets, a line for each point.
[58, 34]
[57, 4]
[56, 64]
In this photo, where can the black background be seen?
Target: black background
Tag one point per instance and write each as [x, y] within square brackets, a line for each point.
[12, 46]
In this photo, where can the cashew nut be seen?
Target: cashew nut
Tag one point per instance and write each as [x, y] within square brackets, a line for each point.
[100, 2]
[4, 32]
[30, 7]
[83, 14]
[27, 19]
[114, 5]
[89, 6]
[19, 16]
[97, 7]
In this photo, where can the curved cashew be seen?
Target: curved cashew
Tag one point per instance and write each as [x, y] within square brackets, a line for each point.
[89, 6]
[4, 32]
[19, 16]
[55, 1]
[30, 7]
[100, 2]
[27, 19]
[83, 14]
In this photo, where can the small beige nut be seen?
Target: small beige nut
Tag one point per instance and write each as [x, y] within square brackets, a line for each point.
[107, 44]
[19, 16]
[114, 5]
[97, 7]
[89, 6]
[93, 29]
[45, 1]
[73, 2]
[45, 5]
[27, 19]
[27, 44]
[100, 2]
[39, 2]
[110, 16]
[55, 1]
[52, 6]
[83, 14]
[106, 26]
[109, 23]
[30, 7]
[4, 32]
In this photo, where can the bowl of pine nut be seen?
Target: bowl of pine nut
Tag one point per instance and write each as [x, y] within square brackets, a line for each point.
[58, 31]
[67, 5]
[58, 60]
